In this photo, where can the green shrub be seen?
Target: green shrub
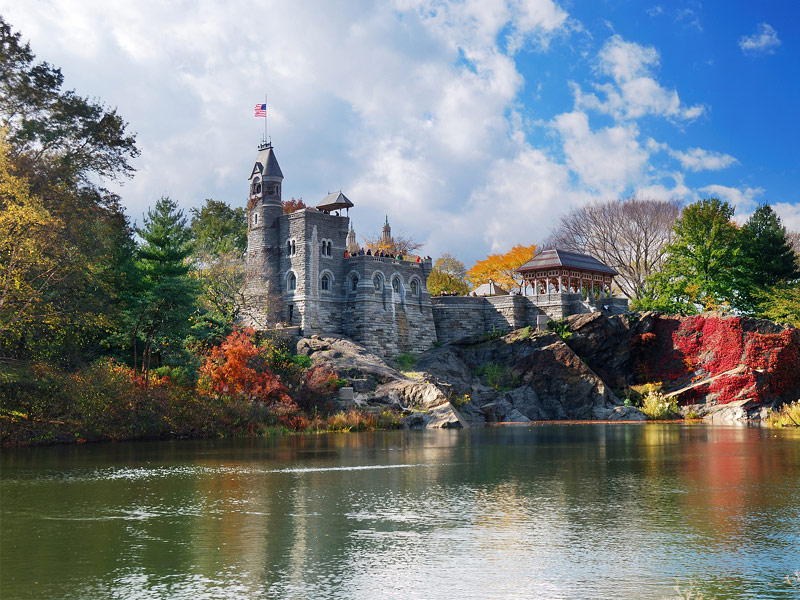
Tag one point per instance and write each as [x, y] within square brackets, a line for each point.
[561, 328]
[406, 361]
[459, 401]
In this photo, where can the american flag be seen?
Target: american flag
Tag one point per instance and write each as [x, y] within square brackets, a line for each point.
[261, 110]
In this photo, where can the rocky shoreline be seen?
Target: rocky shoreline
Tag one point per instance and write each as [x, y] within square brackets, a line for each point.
[528, 375]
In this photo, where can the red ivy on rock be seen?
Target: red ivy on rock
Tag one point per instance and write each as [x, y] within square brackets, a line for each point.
[705, 346]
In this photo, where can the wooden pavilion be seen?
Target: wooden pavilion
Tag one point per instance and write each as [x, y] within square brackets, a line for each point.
[561, 271]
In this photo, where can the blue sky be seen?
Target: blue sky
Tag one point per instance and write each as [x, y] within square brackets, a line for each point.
[473, 125]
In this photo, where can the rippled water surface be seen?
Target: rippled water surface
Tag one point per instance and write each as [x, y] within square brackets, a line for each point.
[550, 511]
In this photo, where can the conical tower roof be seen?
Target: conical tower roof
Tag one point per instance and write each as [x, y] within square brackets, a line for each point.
[266, 163]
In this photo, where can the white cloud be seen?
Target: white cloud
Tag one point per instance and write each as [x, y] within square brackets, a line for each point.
[789, 214]
[763, 41]
[606, 161]
[698, 159]
[743, 199]
[634, 92]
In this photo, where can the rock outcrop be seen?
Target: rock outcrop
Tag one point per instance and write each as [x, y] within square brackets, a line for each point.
[377, 385]
[720, 367]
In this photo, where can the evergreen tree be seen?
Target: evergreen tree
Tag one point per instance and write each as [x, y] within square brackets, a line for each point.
[766, 258]
[698, 269]
[167, 294]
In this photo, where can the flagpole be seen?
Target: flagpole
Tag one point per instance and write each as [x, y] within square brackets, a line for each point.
[265, 117]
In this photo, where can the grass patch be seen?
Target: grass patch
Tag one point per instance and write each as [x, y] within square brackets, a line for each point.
[656, 407]
[787, 415]
[406, 361]
[497, 376]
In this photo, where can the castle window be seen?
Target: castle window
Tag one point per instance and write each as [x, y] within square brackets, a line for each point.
[256, 186]
[414, 288]
[255, 219]
[288, 247]
[294, 248]
[291, 282]
[330, 248]
[354, 283]
[378, 281]
[396, 285]
[325, 284]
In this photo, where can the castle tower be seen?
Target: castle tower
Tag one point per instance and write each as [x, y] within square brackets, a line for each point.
[352, 244]
[264, 208]
[386, 234]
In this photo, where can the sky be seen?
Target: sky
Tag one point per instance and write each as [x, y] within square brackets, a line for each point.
[472, 125]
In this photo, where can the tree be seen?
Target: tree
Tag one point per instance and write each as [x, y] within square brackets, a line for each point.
[447, 275]
[502, 268]
[697, 272]
[628, 235]
[400, 245]
[71, 136]
[167, 295]
[218, 229]
[766, 258]
[290, 206]
[63, 146]
[780, 304]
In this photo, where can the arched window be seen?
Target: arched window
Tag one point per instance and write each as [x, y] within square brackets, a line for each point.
[330, 248]
[288, 247]
[354, 283]
[294, 248]
[378, 281]
[414, 288]
[325, 284]
[396, 285]
[291, 282]
[256, 186]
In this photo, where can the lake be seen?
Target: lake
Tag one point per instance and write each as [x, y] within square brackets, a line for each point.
[541, 511]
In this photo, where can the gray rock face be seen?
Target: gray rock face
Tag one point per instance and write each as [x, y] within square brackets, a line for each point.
[375, 383]
[543, 379]
[548, 381]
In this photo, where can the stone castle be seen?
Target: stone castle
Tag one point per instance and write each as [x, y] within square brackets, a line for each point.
[304, 270]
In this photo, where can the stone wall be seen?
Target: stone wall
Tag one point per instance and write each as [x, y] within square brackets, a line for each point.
[387, 307]
[457, 317]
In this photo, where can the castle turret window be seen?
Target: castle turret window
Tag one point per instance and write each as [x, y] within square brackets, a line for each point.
[255, 219]
[325, 284]
[378, 283]
[396, 285]
[354, 283]
[291, 282]
[414, 288]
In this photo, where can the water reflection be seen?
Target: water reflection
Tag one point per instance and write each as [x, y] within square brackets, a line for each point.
[556, 511]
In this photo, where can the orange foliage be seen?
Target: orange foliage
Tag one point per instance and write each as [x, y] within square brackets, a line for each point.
[502, 268]
[290, 206]
[238, 369]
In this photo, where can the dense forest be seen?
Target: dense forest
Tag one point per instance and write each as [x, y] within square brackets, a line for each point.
[111, 331]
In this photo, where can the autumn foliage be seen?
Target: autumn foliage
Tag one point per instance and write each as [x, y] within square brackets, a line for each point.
[239, 369]
[502, 268]
[737, 358]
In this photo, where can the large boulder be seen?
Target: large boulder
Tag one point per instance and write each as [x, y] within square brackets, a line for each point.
[376, 384]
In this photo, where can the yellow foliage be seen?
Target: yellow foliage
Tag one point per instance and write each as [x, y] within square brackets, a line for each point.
[27, 231]
[502, 268]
